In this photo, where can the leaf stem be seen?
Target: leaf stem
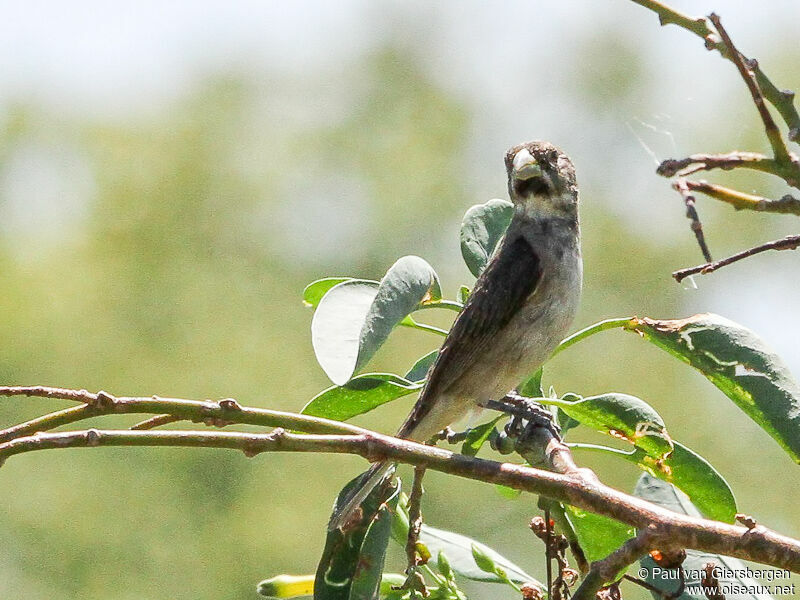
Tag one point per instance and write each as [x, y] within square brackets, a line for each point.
[576, 337]
[449, 304]
[408, 322]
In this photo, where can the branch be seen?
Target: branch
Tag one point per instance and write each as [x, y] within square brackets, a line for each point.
[781, 152]
[790, 242]
[782, 100]
[759, 544]
[742, 201]
[682, 186]
[606, 570]
[707, 162]
[220, 413]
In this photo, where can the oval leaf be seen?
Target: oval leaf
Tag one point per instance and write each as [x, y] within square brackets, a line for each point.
[481, 229]
[458, 549]
[354, 318]
[623, 416]
[597, 535]
[690, 473]
[315, 290]
[665, 495]
[359, 395]
[460, 554]
[419, 370]
[337, 324]
[352, 562]
[740, 364]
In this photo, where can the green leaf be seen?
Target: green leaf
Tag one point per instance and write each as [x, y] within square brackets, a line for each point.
[481, 229]
[506, 492]
[419, 369]
[367, 576]
[689, 472]
[666, 496]
[740, 364]
[355, 317]
[532, 386]
[622, 416]
[317, 289]
[459, 551]
[444, 566]
[597, 535]
[477, 436]
[352, 562]
[359, 395]
[463, 294]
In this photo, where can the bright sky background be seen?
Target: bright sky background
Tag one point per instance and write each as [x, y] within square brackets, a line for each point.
[122, 60]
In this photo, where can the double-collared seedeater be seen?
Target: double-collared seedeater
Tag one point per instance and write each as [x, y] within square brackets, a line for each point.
[520, 308]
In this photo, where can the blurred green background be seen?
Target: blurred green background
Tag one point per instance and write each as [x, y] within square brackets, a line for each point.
[171, 176]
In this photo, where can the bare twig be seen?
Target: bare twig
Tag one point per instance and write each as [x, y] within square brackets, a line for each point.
[681, 185]
[156, 421]
[745, 68]
[790, 242]
[782, 100]
[606, 570]
[707, 162]
[741, 201]
[208, 412]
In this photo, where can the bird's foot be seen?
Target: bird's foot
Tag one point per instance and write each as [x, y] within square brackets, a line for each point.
[526, 414]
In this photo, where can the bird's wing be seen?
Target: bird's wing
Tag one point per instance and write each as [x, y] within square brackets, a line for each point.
[509, 278]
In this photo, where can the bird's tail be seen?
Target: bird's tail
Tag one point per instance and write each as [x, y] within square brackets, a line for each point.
[346, 507]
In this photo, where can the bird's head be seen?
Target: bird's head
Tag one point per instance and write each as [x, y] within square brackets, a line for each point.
[541, 180]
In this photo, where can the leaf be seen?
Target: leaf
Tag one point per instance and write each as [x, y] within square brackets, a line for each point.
[622, 416]
[355, 317]
[477, 436]
[482, 227]
[458, 549]
[419, 369]
[463, 294]
[692, 474]
[315, 290]
[740, 364]
[359, 395]
[532, 386]
[352, 562]
[666, 496]
[367, 576]
[506, 492]
[597, 535]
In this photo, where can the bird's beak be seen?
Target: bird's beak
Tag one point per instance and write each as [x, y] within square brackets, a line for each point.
[525, 166]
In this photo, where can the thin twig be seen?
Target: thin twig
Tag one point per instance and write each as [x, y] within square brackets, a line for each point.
[208, 412]
[414, 519]
[741, 201]
[790, 242]
[156, 421]
[606, 570]
[707, 162]
[782, 100]
[691, 213]
[779, 148]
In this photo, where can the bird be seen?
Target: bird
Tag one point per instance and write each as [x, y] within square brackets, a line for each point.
[520, 308]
